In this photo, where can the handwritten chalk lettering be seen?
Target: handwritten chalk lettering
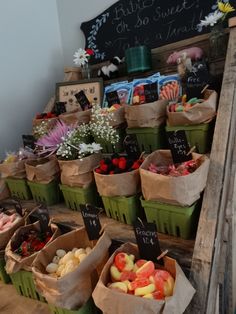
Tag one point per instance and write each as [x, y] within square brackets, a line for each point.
[174, 140]
[141, 21]
[146, 233]
[122, 27]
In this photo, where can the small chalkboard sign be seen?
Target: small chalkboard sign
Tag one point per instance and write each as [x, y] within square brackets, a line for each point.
[150, 92]
[112, 98]
[83, 100]
[60, 107]
[91, 221]
[29, 141]
[131, 146]
[179, 147]
[197, 79]
[41, 214]
[17, 205]
[147, 240]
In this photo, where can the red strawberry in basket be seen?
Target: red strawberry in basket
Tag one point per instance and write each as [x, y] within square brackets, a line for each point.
[122, 163]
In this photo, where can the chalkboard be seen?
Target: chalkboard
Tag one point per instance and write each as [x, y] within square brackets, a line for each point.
[112, 98]
[197, 79]
[147, 240]
[28, 141]
[152, 23]
[150, 92]
[60, 107]
[91, 221]
[179, 147]
[41, 214]
[131, 146]
[83, 100]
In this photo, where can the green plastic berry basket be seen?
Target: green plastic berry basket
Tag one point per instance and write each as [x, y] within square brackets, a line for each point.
[123, 209]
[138, 59]
[171, 219]
[149, 139]
[3, 275]
[75, 196]
[48, 194]
[109, 148]
[197, 135]
[19, 188]
[88, 308]
[24, 285]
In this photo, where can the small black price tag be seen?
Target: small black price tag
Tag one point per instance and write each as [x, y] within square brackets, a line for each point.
[112, 98]
[179, 147]
[83, 100]
[60, 107]
[18, 207]
[41, 214]
[29, 141]
[147, 240]
[150, 92]
[131, 146]
[91, 221]
[197, 79]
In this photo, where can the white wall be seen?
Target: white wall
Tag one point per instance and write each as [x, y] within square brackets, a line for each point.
[71, 14]
[31, 61]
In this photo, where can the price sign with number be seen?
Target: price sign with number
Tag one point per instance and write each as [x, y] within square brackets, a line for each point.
[179, 147]
[147, 240]
[131, 146]
[41, 214]
[91, 221]
[150, 92]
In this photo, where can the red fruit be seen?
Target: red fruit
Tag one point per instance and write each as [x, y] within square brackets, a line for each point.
[115, 161]
[139, 283]
[104, 167]
[112, 172]
[158, 295]
[135, 165]
[146, 270]
[122, 163]
[140, 262]
[102, 162]
[120, 261]
[164, 282]
[49, 115]
[128, 275]
[98, 170]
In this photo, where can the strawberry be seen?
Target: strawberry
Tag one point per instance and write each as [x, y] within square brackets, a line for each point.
[115, 161]
[104, 167]
[102, 162]
[98, 170]
[135, 165]
[122, 164]
[111, 172]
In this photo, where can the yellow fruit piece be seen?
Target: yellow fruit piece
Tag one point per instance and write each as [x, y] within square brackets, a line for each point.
[121, 286]
[115, 273]
[148, 296]
[145, 290]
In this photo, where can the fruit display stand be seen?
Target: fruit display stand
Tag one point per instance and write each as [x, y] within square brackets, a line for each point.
[149, 139]
[19, 188]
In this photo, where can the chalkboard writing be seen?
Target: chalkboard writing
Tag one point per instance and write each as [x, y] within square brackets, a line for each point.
[150, 92]
[112, 98]
[28, 141]
[152, 23]
[179, 147]
[91, 221]
[197, 79]
[131, 146]
[83, 100]
[147, 240]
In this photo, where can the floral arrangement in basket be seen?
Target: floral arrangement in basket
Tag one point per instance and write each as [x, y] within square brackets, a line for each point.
[81, 59]
[222, 9]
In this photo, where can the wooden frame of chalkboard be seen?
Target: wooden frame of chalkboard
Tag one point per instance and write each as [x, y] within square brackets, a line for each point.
[65, 91]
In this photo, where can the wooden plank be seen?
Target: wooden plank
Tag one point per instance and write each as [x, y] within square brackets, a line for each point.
[204, 250]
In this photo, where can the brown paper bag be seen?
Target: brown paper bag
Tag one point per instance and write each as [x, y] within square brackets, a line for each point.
[111, 301]
[76, 117]
[199, 113]
[122, 184]
[13, 169]
[183, 191]
[147, 115]
[74, 289]
[79, 172]
[15, 262]
[4, 192]
[118, 117]
[43, 170]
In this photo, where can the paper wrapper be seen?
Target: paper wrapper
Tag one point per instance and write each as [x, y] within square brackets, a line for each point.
[4, 192]
[147, 115]
[74, 289]
[42, 170]
[183, 191]
[13, 169]
[76, 117]
[122, 184]
[111, 301]
[51, 122]
[15, 262]
[79, 172]
[199, 113]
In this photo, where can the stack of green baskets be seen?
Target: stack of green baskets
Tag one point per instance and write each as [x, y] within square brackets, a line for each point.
[19, 188]
[75, 196]
[123, 209]
[172, 219]
[149, 139]
[199, 136]
[24, 284]
[88, 308]
[48, 194]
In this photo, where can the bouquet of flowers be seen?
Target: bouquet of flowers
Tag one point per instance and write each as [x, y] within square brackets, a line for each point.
[82, 56]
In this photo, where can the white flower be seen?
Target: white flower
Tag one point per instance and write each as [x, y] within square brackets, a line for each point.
[96, 147]
[83, 148]
[210, 20]
[81, 57]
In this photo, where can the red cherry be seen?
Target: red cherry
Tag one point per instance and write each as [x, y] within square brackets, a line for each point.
[115, 161]
[111, 172]
[98, 170]
[135, 165]
[122, 164]
[104, 167]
